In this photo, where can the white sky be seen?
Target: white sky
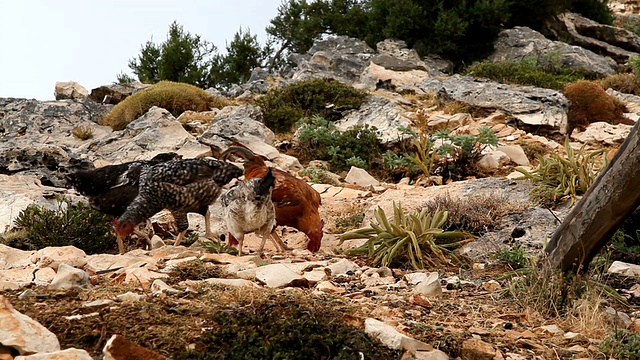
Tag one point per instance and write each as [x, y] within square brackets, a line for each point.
[90, 41]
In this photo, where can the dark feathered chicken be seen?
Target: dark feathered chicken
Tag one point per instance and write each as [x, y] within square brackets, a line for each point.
[295, 201]
[248, 208]
[110, 189]
[181, 186]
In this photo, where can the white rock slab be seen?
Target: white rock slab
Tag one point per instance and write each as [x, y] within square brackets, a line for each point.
[68, 278]
[24, 334]
[68, 354]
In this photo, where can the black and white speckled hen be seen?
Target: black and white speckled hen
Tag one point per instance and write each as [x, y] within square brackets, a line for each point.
[248, 208]
[110, 189]
[181, 186]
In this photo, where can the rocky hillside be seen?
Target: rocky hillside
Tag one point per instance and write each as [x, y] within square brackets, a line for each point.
[346, 307]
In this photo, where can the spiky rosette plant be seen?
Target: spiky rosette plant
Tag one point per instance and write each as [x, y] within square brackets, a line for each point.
[416, 239]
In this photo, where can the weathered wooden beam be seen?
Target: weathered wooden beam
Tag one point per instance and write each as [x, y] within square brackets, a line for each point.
[595, 218]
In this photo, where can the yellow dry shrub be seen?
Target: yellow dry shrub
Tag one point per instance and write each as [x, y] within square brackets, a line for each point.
[173, 96]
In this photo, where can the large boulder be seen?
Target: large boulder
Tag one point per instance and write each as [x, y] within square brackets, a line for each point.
[617, 43]
[69, 90]
[529, 105]
[516, 43]
[114, 93]
[337, 57]
[386, 115]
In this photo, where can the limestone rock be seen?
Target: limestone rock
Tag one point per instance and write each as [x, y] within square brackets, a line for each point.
[13, 258]
[68, 354]
[53, 256]
[387, 116]
[615, 42]
[515, 153]
[391, 337]
[159, 287]
[530, 105]
[337, 57]
[22, 333]
[67, 278]
[493, 160]
[429, 286]
[619, 267]
[279, 276]
[114, 93]
[434, 354]
[360, 177]
[120, 348]
[342, 267]
[476, 349]
[518, 42]
[604, 133]
[69, 90]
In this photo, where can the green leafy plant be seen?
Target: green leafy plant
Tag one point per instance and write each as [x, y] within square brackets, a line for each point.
[175, 97]
[82, 132]
[318, 176]
[516, 257]
[217, 247]
[319, 139]
[415, 239]
[544, 72]
[349, 222]
[567, 176]
[282, 108]
[70, 224]
[590, 103]
[460, 152]
[622, 344]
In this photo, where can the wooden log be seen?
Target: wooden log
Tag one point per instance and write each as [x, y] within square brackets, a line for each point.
[595, 218]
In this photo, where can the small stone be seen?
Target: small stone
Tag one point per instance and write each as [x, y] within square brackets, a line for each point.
[425, 355]
[130, 297]
[68, 354]
[158, 287]
[279, 276]
[97, 305]
[157, 242]
[550, 330]
[575, 337]
[391, 337]
[68, 278]
[429, 287]
[330, 288]
[476, 349]
[360, 177]
[492, 286]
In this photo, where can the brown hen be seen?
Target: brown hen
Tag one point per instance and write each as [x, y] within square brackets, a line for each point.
[296, 202]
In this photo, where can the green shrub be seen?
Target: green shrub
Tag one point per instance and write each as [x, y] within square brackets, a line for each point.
[318, 176]
[408, 240]
[590, 103]
[596, 10]
[282, 108]
[285, 327]
[70, 224]
[529, 71]
[515, 257]
[321, 140]
[622, 344]
[557, 176]
[460, 152]
[175, 97]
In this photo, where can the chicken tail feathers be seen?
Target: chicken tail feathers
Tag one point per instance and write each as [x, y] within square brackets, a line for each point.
[242, 153]
[265, 184]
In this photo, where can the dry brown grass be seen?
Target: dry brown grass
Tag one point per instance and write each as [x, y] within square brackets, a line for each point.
[475, 214]
[82, 132]
[627, 83]
[175, 97]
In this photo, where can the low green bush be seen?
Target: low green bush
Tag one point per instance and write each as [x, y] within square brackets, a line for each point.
[319, 139]
[529, 71]
[175, 97]
[282, 108]
[622, 344]
[70, 224]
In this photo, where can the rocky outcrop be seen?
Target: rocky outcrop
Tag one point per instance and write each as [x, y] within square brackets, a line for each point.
[69, 90]
[337, 57]
[514, 44]
[114, 93]
[527, 104]
[618, 43]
